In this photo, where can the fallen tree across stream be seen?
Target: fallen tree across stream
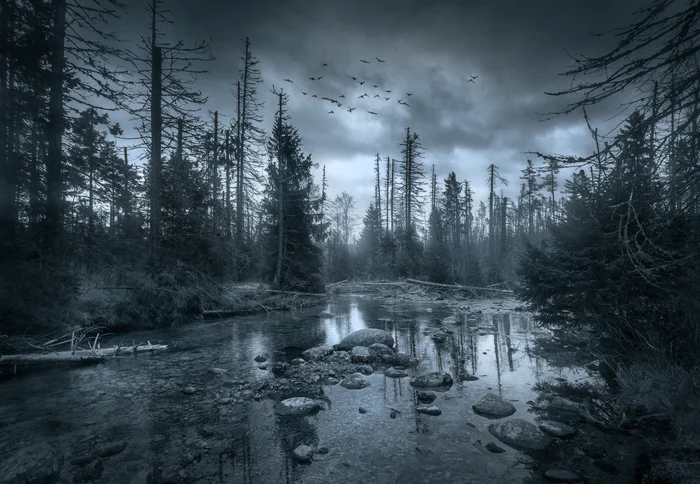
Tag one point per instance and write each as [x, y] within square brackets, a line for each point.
[78, 356]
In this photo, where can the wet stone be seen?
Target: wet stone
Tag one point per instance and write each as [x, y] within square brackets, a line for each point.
[354, 382]
[362, 410]
[317, 353]
[262, 367]
[557, 429]
[429, 410]
[330, 381]
[491, 405]
[360, 354]
[432, 380]
[189, 390]
[562, 475]
[365, 337]
[401, 359]
[297, 361]
[303, 453]
[322, 450]
[520, 433]
[394, 372]
[298, 406]
[338, 357]
[392, 414]
[494, 448]
[377, 350]
[468, 377]
[425, 397]
[260, 358]
[365, 369]
[595, 451]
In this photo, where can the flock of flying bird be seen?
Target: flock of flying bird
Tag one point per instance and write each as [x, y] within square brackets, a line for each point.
[379, 95]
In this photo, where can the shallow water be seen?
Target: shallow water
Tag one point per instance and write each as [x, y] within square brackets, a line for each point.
[196, 439]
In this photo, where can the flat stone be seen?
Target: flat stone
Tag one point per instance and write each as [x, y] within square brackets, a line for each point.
[432, 380]
[493, 406]
[354, 382]
[189, 390]
[520, 433]
[429, 410]
[395, 373]
[365, 337]
[557, 429]
[260, 358]
[298, 406]
[562, 475]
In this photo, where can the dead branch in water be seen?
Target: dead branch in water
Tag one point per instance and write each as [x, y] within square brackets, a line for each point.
[93, 355]
[463, 288]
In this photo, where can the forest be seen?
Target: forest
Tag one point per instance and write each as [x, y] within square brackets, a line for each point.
[91, 236]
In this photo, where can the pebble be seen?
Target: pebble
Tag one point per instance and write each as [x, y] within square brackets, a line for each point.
[363, 410]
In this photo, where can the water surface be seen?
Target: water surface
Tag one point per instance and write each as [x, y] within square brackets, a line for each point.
[194, 438]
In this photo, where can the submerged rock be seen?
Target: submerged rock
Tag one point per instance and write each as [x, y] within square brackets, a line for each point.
[365, 337]
[297, 406]
[426, 397]
[113, 448]
[303, 453]
[520, 433]
[557, 429]
[562, 475]
[429, 410]
[317, 353]
[90, 472]
[395, 372]
[354, 382]
[432, 380]
[491, 405]
[37, 463]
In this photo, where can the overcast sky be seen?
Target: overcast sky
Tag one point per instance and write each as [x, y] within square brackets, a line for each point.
[516, 48]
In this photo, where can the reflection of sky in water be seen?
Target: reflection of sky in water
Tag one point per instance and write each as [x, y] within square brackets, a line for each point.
[139, 399]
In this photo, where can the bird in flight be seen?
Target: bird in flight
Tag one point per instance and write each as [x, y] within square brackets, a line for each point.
[405, 104]
[314, 95]
[473, 77]
[288, 80]
[374, 86]
[377, 95]
[353, 78]
[361, 82]
[409, 94]
[339, 104]
[360, 97]
[319, 78]
[312, 78]
[400, 100]
[372, 112]
[324, 65]
[366, 62]
[387, 91]
[379, 60]
[387, 98]
[342, 96]
[351, 109]
[331, 112]
[304, 93]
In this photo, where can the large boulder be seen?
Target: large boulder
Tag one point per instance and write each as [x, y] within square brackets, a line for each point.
[377, 350]
[432, 380]
[297, 406]
[493, 406]
[365, 337]
[354, 382]
[521, 434]
[34, 464]
[317, 353]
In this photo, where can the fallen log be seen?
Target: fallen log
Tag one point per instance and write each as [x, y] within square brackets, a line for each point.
[296, 293]
[458, 287]
[78, 356]
[336, 283]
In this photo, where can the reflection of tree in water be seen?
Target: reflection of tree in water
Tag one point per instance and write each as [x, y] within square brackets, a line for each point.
[508, 341]
[293, 432]
[498, 362]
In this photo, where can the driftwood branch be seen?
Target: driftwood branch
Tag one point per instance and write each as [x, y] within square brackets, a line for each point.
[78, 356]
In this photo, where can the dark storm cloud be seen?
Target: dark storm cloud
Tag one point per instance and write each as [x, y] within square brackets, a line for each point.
[516, 48]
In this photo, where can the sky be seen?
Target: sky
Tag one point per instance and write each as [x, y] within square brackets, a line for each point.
[518, 49]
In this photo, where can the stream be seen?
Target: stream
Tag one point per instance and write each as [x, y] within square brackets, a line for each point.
[132, 411]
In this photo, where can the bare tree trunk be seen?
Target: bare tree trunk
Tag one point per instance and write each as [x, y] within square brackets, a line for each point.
[215, 176]
[54, 155]
[240, 209]
[228, 184]
[280, 202]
